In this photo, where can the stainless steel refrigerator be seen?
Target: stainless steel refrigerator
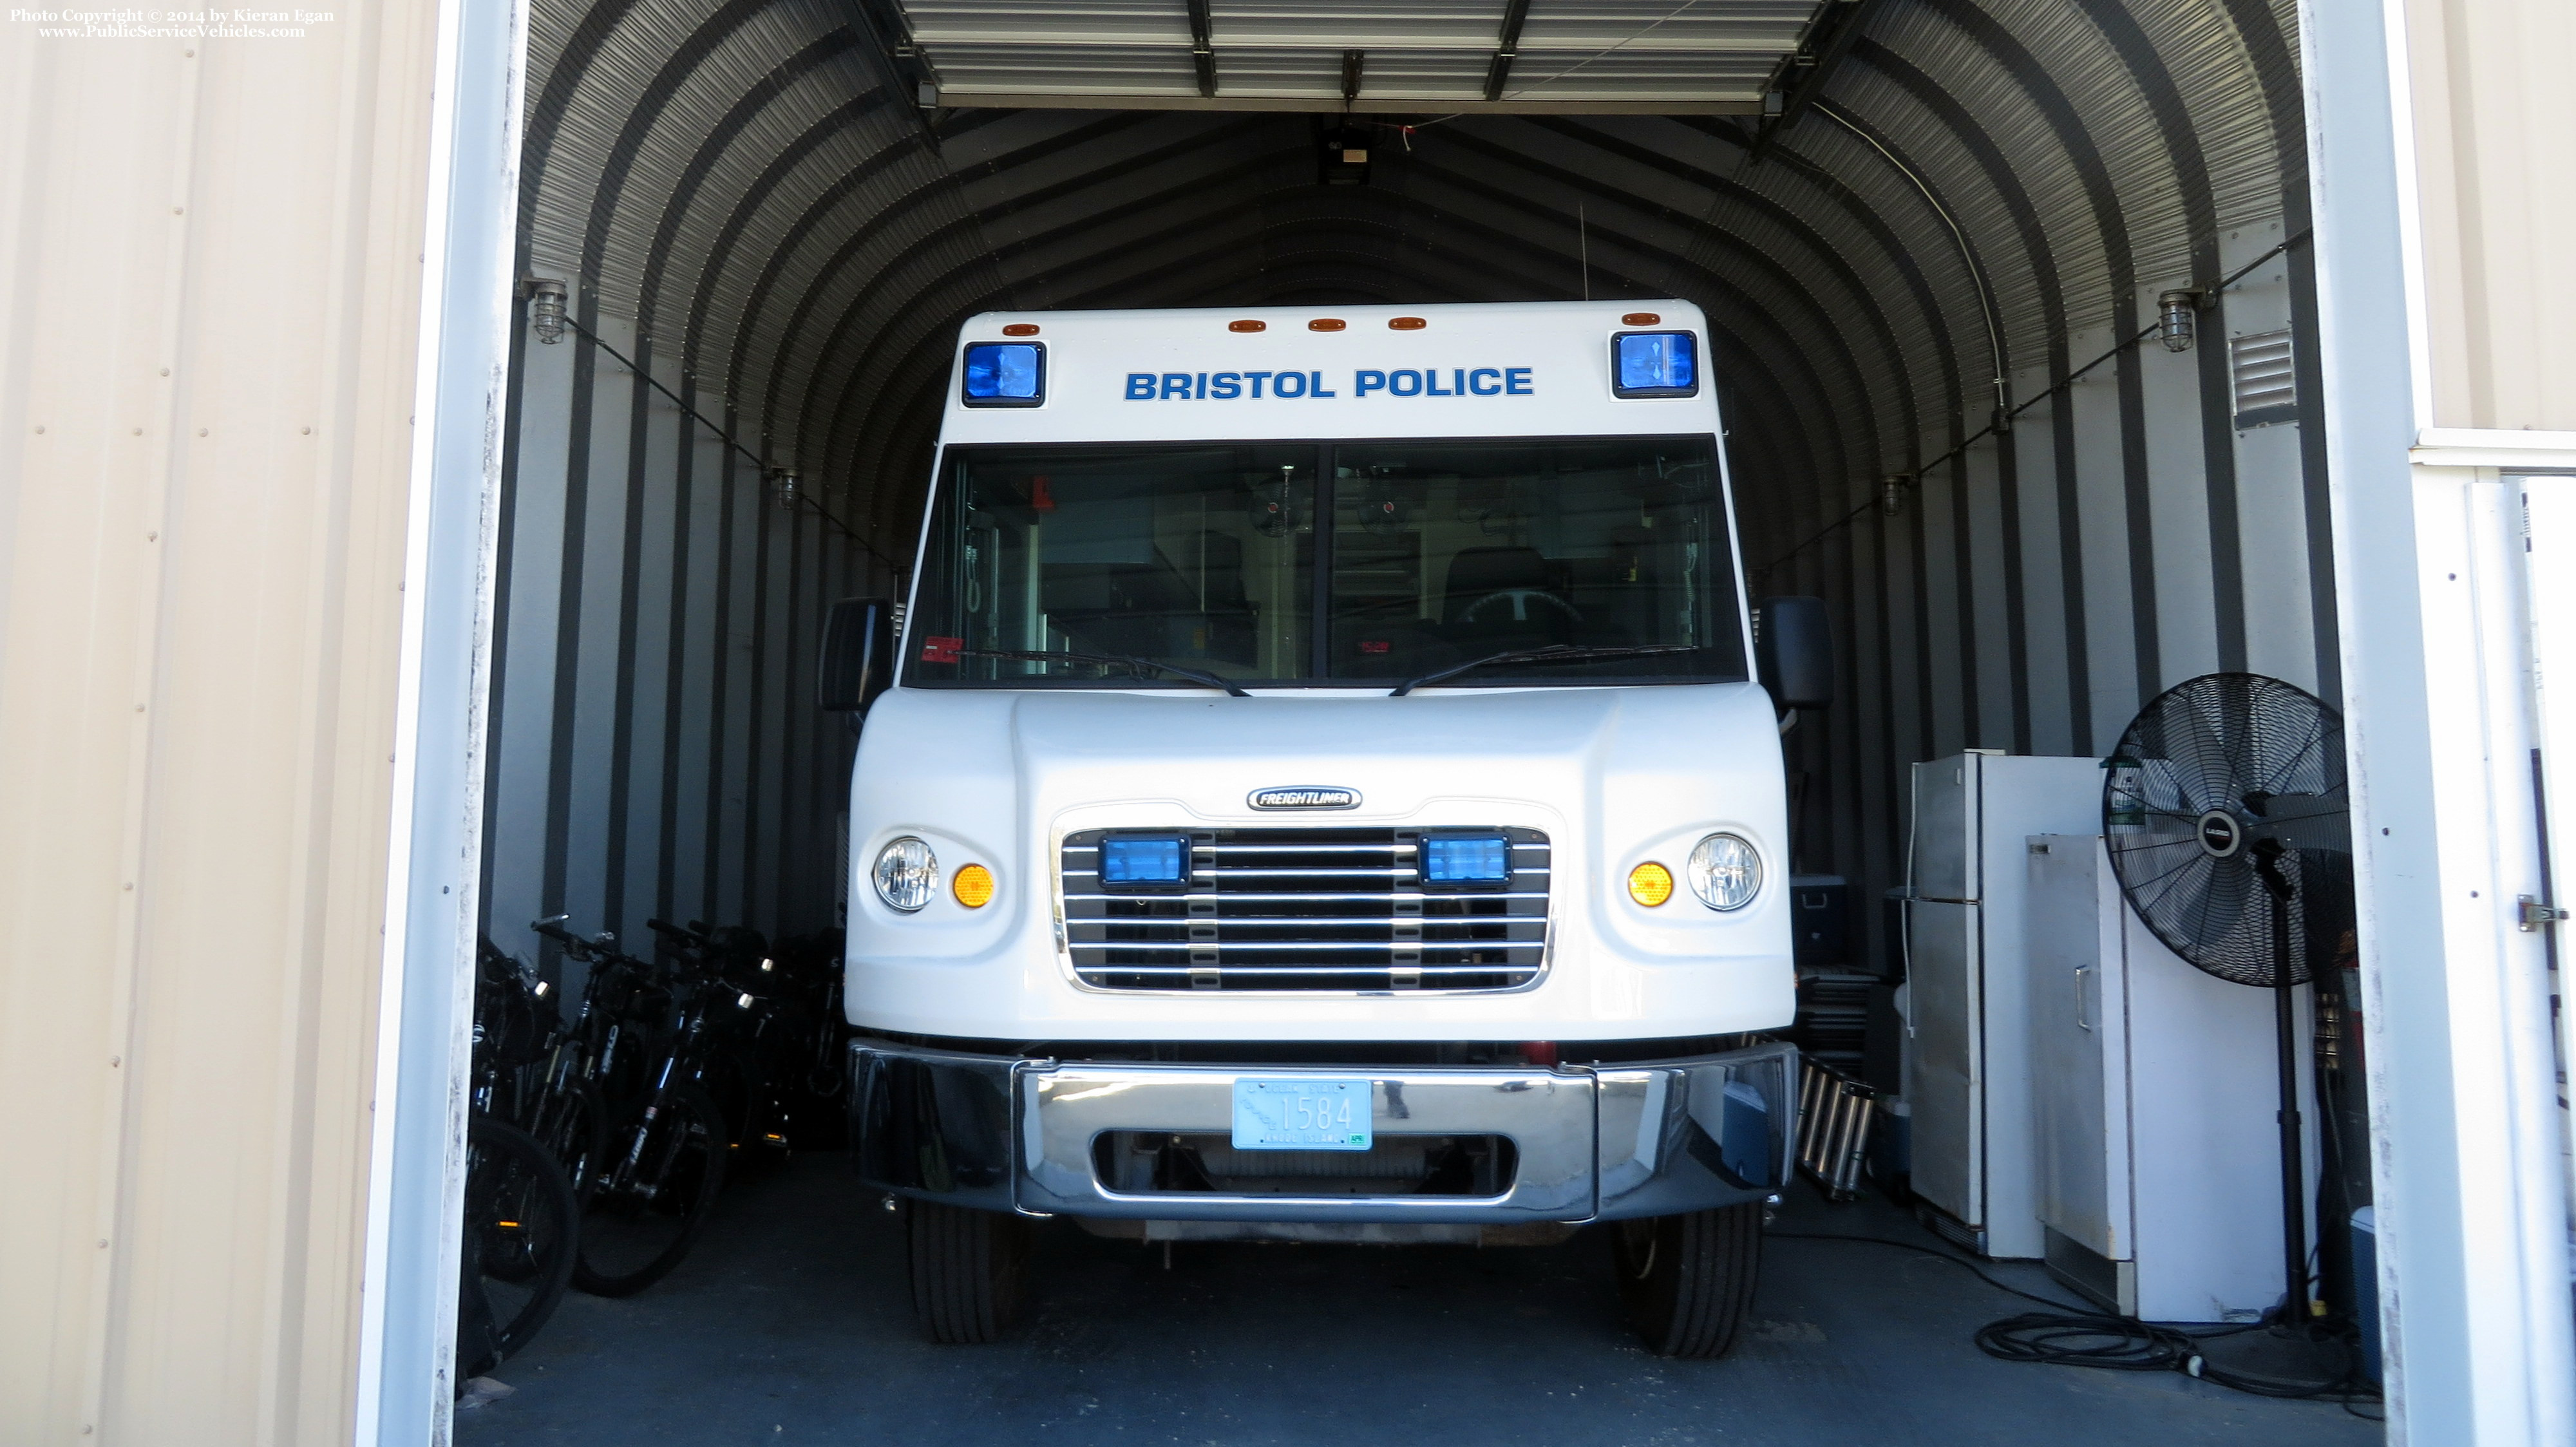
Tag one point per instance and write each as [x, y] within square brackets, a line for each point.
[1968, 1085]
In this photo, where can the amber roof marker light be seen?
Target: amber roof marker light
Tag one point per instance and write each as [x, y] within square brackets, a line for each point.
[1326, 324]
[1641, 319]
[1021, 329]
[1247, 326]
[1405, 324]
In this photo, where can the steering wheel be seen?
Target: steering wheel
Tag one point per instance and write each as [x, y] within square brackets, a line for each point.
[1520, 599]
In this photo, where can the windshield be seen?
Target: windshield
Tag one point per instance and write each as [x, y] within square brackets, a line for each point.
[1416, 556]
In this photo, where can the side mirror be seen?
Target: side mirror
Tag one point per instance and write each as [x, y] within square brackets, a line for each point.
[858, 655]
[1793, 652]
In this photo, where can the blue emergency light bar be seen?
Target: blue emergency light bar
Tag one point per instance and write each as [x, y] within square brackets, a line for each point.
[1466, 860]
[1654, 364]
[1005, 374]
[1144, 861]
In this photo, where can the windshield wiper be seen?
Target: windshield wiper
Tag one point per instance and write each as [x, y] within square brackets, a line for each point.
[1056, 655]
[1553, 653]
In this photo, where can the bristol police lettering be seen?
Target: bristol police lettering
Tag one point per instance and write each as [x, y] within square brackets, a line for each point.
[1445, 382]
[1292, 386]
[1224, 386]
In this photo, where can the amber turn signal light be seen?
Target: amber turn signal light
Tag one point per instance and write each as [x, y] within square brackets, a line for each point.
[974, 886]
[1649, 884]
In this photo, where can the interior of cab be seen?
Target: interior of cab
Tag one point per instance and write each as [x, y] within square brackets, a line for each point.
[1436, 553]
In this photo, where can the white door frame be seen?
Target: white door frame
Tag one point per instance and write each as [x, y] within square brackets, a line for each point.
[2472, 1208]
[415, 1184]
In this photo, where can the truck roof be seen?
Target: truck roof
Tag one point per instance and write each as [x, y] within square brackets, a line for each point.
[1502, 369]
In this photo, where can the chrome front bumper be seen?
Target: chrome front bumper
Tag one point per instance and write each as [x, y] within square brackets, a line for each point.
[1594, 1143]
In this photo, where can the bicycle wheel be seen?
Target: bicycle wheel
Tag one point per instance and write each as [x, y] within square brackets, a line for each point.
[650, 1197]
[521, 1225]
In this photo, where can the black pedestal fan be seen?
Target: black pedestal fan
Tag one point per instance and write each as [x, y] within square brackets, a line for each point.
[2224, 813]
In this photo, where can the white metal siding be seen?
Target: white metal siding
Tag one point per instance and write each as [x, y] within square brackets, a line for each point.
[210, 261]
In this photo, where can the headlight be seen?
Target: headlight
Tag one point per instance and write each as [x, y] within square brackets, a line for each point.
[1725, 872]
[907, 874]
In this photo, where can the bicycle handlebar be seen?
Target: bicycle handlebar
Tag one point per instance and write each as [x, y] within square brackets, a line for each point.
[552, 928]
[684, 934]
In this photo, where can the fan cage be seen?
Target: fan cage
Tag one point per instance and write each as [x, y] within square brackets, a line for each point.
[2233, 759]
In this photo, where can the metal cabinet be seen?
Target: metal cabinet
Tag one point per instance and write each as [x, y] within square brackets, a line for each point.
[1968, 1080]
[2158, 1171]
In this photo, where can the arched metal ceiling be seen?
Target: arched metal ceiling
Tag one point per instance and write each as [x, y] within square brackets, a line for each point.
[751, 183]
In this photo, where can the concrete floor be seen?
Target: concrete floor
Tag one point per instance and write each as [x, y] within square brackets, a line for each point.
[791, 1323]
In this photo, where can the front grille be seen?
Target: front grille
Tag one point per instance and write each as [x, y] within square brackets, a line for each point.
[1308, 909]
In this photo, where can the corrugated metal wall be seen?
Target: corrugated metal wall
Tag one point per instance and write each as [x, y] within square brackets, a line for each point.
[656, 748]
[744, 195]
[210, 259]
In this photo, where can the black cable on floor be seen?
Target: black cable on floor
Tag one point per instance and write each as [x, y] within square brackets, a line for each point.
[1959, 1261]
[2077, 1337]
[2126, 1344]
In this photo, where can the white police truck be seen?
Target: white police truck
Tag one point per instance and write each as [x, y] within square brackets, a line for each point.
[1321, 791]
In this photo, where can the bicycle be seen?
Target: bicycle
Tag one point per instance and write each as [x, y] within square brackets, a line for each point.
[522, 1215]
[753, 1048]
[570, 1107]
[811, 965]
[665, 1159]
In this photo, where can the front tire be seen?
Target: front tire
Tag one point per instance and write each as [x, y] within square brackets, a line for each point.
[970, 1271]
[1687, 1281]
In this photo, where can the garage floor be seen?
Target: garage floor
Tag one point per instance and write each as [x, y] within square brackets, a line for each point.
[791, 1324]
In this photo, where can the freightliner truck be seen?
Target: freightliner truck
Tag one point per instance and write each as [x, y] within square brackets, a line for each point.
[1321, 788]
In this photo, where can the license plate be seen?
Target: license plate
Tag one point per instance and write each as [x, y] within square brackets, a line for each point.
[1302, 1115]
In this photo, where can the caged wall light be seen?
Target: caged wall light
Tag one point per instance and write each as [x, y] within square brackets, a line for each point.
[2175, 325]
[546, 298]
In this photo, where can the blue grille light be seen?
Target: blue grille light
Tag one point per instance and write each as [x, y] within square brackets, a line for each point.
[1143, 859]
[1005, 374]
[1467, 859]
[1654, 364]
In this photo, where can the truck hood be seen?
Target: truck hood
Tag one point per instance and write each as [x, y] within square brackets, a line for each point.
[1535, 749]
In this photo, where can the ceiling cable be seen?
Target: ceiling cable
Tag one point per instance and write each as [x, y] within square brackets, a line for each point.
[1672, 14]
[796, 499]
[1967, 255]
[2061, 384]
